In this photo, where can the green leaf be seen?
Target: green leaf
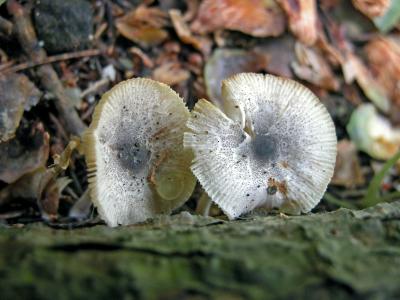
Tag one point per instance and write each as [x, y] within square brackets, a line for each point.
[2, 2]
[386, 22]
[341, 203]
[372, 197]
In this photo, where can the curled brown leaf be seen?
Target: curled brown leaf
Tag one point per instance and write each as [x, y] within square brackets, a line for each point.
[312, 67]
[28, 151]
[226, 62]
[254, 17]
[202, 44]
[302, 15]
[171, 73]
[372, 8]
[383, 55]
[144, 25]
[17, 93]
[348, 171]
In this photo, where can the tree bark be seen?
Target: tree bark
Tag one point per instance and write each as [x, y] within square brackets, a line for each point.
[339, 255]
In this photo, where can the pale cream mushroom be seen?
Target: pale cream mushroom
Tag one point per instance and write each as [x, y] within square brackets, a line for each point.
[136, 161]
[274, 147]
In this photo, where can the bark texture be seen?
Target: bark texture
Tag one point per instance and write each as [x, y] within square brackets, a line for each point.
[338, 255]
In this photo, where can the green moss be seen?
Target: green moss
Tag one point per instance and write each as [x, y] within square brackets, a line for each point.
[339, 255]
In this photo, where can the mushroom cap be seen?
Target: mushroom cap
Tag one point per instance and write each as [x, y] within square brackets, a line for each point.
[137, 165]
[274, 147]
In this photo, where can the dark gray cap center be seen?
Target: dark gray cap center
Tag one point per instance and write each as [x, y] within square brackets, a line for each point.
[265, 147]
[132, 155]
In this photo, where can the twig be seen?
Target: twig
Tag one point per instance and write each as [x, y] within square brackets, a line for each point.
[5, 65]
[6, 27]
[27, 38]
[95, 87]
[143, 56]
[52, 59]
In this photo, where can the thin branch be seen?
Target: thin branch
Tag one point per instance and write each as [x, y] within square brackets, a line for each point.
[51, 59]
[26, 35]
[6, 27]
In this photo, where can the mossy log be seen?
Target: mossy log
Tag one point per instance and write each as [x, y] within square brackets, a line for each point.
[338, 255]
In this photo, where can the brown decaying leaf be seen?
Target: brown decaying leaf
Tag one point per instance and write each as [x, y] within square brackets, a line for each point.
[226, 62]
[192, 7]
[143, 25]
[312, 67]
[50, 187]
[302, 15]
[279, 55]
[340, 50]
[17, 93]
[383, 55]
[354, 69]
[43, 184]
[26, 187]
[254, 17]
[24, 154]
[49, 196]
[169, 66]
[348, 171]
[332, 54]
[171, 73]
[202, 44]
[146, 60]
[372, 8]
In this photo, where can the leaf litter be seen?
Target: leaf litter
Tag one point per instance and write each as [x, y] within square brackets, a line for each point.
[192, 46]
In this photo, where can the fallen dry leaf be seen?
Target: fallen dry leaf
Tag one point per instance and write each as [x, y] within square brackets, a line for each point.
[26, 187]
[49, 197]
[254, 17]
[146, 60]
[348, 171]
[202, 44]
[17, 93]
[355, 69]
[383, 55]
[143, 25]
[372, 8]
[170, 73]
[28, 151]
[226, 62]
[312, 67]
[278, 54]
[302, 15]
[332, 54]
[40, 185]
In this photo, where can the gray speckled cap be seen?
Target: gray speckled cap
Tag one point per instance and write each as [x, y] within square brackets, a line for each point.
[136, 161]
[274, 145]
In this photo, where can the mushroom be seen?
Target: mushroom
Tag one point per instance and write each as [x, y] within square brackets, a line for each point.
[274, 146]
[136, 162]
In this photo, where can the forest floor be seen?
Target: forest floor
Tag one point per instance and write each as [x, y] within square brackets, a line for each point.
[57, 58]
